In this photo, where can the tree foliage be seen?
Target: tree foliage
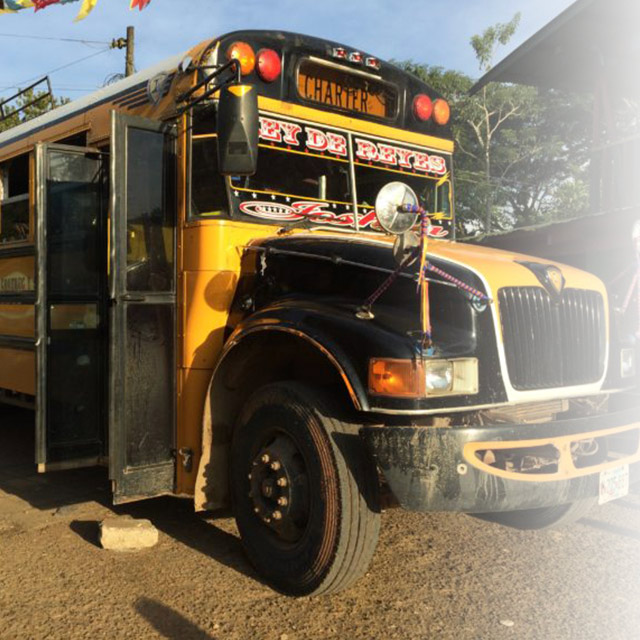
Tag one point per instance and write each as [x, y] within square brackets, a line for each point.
[20, 113]
[521, 154]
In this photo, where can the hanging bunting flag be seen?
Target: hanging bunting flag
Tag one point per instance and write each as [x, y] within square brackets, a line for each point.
[11, 6]
[86, 9]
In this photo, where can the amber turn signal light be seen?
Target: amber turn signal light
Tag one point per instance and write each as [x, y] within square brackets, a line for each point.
[441, 111]
[391, 377]
[244, 54]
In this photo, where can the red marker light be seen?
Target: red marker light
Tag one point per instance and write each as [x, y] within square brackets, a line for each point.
[422, 107]
[372, 63]
[244, 54]
[269, 65]
[441, 111]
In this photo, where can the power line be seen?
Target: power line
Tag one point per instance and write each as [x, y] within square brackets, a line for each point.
[30, 37]
[64, 66]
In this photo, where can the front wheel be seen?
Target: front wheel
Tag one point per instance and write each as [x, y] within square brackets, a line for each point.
[304, 490]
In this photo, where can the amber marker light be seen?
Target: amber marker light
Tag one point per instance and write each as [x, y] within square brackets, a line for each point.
[244, 54]
[269, 65]
[441, 111]
[391, 377]
[422, 107]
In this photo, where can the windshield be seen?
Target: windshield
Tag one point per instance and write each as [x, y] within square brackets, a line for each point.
[304, 174]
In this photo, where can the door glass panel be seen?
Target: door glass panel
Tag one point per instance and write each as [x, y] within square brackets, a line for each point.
[74, 387]
[149, 383]
[150, 217]
[74, 193]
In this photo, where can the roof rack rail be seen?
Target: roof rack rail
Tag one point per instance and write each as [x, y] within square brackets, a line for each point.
[19, 108]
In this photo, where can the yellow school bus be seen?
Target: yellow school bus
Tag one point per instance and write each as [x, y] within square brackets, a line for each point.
[234, 277]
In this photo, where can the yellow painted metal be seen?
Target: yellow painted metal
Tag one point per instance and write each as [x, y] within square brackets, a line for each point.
[211, 261]
[17, 320]
[17, 275]
[18, 370]
[192, 391]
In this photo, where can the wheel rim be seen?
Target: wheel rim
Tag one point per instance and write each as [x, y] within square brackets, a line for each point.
[279, 487]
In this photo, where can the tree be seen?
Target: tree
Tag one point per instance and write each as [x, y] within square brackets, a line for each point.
[520, 156]
[20, 113]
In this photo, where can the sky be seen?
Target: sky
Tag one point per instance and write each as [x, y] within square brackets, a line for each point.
[436, 32]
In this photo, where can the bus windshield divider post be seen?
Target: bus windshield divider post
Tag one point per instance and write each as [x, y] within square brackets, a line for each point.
[236, 79]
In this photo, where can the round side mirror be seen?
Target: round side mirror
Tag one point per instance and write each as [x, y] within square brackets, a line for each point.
[390, 198]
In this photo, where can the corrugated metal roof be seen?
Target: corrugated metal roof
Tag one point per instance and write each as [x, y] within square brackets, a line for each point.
[592, 44]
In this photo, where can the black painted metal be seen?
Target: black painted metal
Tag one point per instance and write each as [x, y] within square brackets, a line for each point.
[142, 328]
[552, 344]
[422, 465]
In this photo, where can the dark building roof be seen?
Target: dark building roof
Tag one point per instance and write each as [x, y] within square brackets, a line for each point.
[593, 43]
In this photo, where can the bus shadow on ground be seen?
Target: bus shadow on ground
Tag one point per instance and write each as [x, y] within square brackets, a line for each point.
[62, 491]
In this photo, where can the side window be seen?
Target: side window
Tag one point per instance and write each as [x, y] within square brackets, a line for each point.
[14, 200]
[208, 189]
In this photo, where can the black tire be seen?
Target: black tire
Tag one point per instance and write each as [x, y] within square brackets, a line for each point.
[543, 518]
[326, 534]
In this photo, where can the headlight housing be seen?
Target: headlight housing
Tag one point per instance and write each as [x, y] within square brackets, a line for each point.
[423, 378]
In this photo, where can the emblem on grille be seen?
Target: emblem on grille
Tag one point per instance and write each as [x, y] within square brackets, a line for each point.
[555, 279]
[550, 277]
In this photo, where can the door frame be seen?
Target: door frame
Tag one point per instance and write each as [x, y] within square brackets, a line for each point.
[145, 481]
[41, 172]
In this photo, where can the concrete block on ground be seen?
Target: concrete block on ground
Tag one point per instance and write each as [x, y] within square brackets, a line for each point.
[127, 534]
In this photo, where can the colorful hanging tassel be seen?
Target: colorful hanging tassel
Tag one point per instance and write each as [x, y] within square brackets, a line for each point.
[11, 6]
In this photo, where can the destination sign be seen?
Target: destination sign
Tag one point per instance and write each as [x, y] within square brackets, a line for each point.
[341, 89]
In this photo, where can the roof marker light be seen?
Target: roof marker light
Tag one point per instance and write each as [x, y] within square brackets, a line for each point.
[355, 56]
[372, 63]
[422, 107]
[340, 53]
[269, 65]
[242, 52]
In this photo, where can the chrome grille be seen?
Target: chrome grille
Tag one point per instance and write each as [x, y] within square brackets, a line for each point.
[552, 343]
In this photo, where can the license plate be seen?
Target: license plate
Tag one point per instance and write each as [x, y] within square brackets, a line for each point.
[614, 483]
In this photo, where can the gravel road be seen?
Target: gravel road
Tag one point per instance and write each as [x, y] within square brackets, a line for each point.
[434, 575]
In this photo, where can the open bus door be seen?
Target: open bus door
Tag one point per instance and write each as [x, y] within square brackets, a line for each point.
[142, 286]
[70, 222]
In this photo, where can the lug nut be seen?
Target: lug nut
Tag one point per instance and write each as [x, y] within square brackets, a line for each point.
[282, 501]
[275, 465]
[282, 482]
[276, 515]
[256, 510]
[249, 476]
[265, 458]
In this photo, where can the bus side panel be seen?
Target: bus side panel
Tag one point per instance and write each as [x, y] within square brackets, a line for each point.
[17, 320]
[18, 370]
[212, 251]
[17, 275]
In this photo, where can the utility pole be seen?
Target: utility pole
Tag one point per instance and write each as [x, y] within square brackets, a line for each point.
[130, 67]
[128, 44]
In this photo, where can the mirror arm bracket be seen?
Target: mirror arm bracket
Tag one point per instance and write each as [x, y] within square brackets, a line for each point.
[235, 79]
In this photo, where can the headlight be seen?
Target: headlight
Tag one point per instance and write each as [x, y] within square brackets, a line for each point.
[438, 376]
[628, 363]
[417, 379]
